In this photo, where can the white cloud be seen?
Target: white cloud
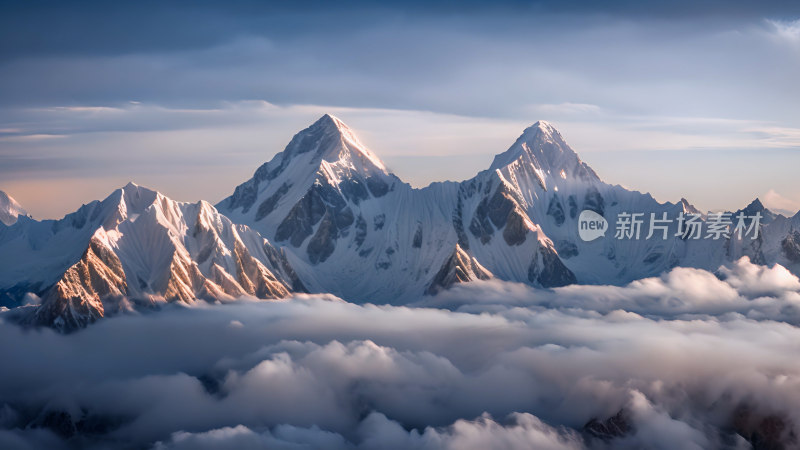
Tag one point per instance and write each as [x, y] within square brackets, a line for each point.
[683, 355]
[778, 203]
[786, 29]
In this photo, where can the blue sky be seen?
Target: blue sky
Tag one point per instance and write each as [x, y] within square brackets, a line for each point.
[685, 99]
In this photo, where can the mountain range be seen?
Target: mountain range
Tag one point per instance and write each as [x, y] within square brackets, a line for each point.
[325, 215]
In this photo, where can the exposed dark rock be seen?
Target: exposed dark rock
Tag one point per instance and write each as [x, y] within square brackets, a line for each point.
[354, 190]
[573, 206]
[319, 201]
[322, 245]
[244, 196]
[377, 186]
[757, 254]
[548, 271]
[361, 230]
[385, 260]
[566, 249]
[343, 218]
[329, 195]
[593, 201]
[458, 224]
[790, 246]
[481, 226]
[556, 210]
[500, 206]
[616, 426]
[764, 431]
[494, 213]
[516, 229]
[379, 221]
[459, 267]
[299, 223]
[268, 205]
[417, 241]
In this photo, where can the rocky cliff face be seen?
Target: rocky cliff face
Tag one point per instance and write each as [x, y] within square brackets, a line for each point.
[460, 267]
[140, 246]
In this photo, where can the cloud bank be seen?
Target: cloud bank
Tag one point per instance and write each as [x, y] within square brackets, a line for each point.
[687, 360]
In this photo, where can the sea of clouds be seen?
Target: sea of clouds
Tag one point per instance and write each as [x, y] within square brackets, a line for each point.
[689, 360]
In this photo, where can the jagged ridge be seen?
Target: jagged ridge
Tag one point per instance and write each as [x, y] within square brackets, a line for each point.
[141, 246]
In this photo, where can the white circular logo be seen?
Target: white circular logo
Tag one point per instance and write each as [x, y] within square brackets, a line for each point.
[591, 225]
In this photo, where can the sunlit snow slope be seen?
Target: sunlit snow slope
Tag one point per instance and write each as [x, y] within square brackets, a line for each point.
[135, 247]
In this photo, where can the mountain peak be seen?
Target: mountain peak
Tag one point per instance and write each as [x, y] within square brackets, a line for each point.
[755, 205]
[543, 147]
[138, 197]
[688, 207]
[331, 121]
[333, 141]
[327, 149]
[543, 125]
[9, 209]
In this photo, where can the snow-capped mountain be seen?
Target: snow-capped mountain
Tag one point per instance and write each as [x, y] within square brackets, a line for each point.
[9, 209]
[325, 215]
[135, 247]
[357, 231]
[353, 229]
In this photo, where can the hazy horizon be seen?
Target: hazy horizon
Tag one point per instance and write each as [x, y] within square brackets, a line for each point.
[43, 200]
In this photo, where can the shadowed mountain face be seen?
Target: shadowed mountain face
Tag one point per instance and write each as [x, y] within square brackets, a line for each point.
[324, 215]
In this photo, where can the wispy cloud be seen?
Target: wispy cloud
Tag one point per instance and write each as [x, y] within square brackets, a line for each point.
[788, 30]
[778, 203]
